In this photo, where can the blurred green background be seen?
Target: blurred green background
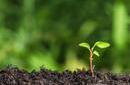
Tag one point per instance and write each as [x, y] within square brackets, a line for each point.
[46, 33]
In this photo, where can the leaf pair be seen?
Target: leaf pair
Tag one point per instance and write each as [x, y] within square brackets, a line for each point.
[99, 44]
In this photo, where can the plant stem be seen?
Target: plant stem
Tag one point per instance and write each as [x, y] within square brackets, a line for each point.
[91, 63]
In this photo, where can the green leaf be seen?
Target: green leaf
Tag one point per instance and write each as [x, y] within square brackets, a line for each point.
[96, 53]
[101, 44]
[86, 45]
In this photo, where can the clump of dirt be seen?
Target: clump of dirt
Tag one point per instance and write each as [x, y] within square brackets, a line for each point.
[14, 76]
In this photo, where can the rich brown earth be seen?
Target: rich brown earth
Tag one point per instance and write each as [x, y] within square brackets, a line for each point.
[14, 76]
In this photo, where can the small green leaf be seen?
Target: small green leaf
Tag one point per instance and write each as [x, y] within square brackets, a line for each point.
[96, 53]
[86, 45]
[101, 44]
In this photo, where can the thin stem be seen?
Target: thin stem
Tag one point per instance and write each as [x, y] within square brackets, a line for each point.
[91, 63]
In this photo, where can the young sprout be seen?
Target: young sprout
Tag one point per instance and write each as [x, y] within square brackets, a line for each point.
[99, 44]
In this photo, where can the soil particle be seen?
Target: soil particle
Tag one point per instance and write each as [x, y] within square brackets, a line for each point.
[14, 76]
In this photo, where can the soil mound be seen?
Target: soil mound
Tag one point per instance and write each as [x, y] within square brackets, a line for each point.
[14, 76]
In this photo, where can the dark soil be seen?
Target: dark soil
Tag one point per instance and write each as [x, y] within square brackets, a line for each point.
[14, 76]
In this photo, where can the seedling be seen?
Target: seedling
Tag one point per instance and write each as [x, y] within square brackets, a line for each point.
[98, 44]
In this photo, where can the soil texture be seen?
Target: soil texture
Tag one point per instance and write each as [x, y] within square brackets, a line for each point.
[14, 76]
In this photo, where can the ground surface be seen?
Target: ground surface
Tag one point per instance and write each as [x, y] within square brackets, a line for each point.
[14, 76]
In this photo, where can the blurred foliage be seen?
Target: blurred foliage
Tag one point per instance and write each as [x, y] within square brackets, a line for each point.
[47, 32]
